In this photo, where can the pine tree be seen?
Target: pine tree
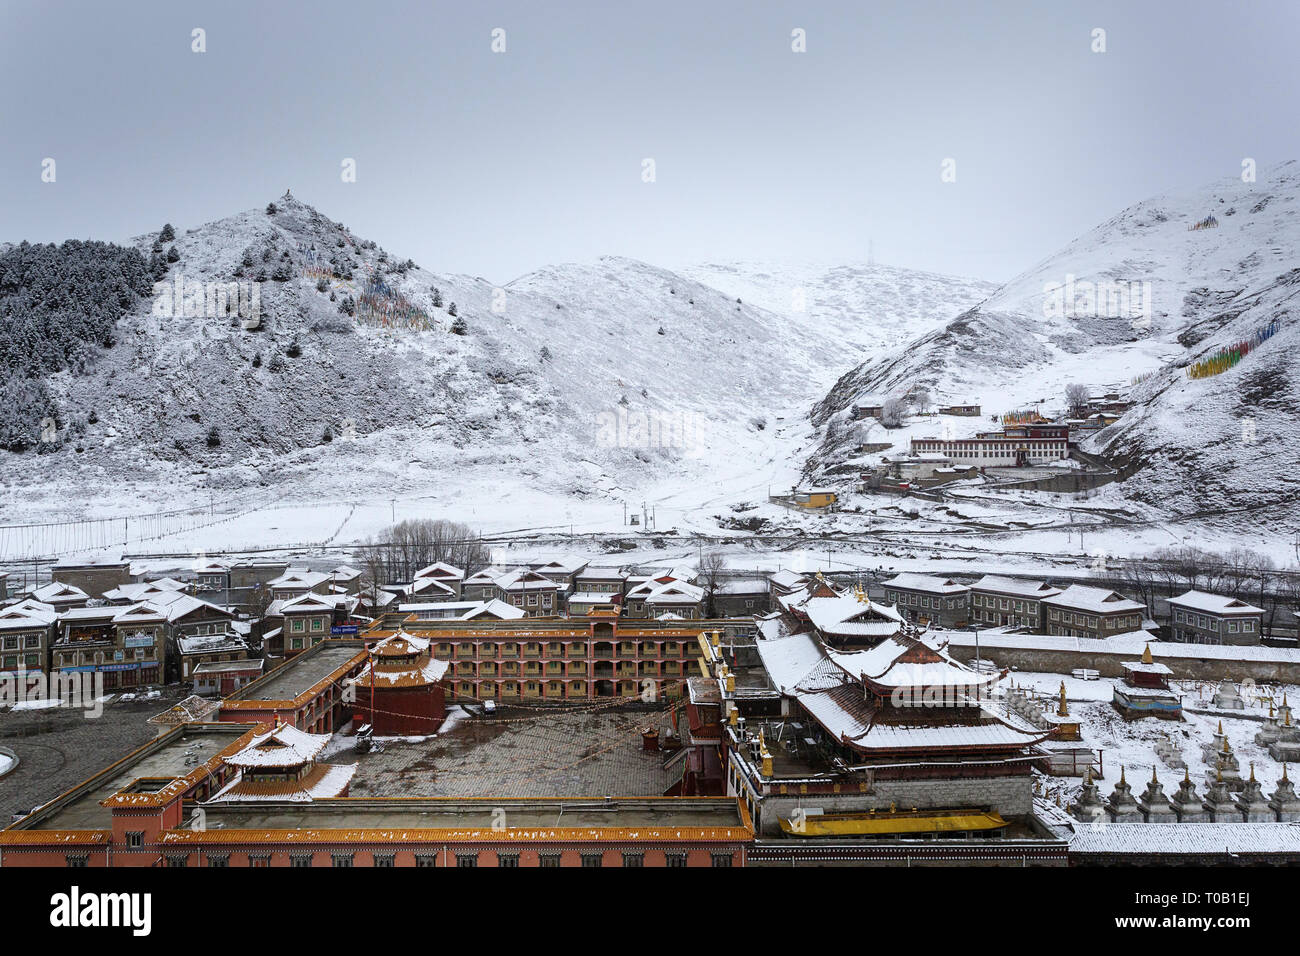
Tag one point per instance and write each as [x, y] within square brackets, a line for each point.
[451, 310]
[168, 233]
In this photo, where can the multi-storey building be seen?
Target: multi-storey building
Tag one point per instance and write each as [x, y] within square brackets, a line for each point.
[128, 645]
[601, 655]
[537, 594]
[26, 630]
[1082, 611]
[990, 451]
[1201, 618]
[1006, 602]
[939, 601]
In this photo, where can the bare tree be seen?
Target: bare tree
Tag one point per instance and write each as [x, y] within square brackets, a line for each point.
[892, 412]
[1077, 397]
[398, 552]
[711, 565]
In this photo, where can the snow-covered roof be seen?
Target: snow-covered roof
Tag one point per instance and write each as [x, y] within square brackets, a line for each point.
[787, 579]
[1174, 839]
[441, 569]
[1214, 604]
[525, 581]
[798, 662]
[493, 608]
[282, 746]
[846, 616]
[926, 582]
[29, 610]
[486, 575]
[1014, 587]
[298, 578]
[592, 573]
[431, 583]
[594, 597]
[210, 643]
[1080, 597]
[675, 593]
[57, 593]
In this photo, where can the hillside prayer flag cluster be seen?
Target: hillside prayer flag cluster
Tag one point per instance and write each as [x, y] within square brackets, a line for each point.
[1229, 356]
[380, 304]
[1209, 222]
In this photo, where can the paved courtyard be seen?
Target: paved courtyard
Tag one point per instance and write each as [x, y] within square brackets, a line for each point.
[60, 747]
[521, 753]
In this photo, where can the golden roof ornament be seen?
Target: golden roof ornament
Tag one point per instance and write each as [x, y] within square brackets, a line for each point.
[1146, 655]
[1063, 711]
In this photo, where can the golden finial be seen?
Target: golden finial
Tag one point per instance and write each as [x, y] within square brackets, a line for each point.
[1226, 748]
[1220, 727]
[1063, 711]
[1218, 775]
[1284, 770]
[1121, 773]
[1187, 775]
[1146, 655]
[1252, 771]
[1154, 778]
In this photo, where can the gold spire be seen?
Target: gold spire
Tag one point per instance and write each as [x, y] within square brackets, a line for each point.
[1121, 773]
[1220, 727]
[1187, 775]
[1146, 655]
[1154, 778]
[1063, 711]
[1252, 771]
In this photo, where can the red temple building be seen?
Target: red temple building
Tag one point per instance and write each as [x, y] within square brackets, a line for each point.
[398, 691]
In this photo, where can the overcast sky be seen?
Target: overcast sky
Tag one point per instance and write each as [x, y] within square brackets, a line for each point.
[495, 164]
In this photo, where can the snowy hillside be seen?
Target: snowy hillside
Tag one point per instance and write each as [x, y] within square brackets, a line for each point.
[1143, 295]
[573, 383]
[869, 307]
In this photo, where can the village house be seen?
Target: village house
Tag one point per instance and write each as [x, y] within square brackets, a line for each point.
[536, 594]
[298, 581]
[563, 570]
[128, 645]
[93, 575]
[668, 592]
[222, 678]
[450, 577]
[741, 597]
[26, 632]
[970, 411]
[211, 575]
[941, 602]
[431, 588]
[306, 620]
[481, 585]
[1201, 618]
[596, 587]
[1006, 602]
[1082, 611]
[195, 649]
[60, 596]
[345, 580]
[245, 575]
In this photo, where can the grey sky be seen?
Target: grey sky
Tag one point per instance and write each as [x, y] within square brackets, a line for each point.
[496, 164]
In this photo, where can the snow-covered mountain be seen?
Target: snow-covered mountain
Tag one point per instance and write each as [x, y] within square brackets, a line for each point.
[1146, 294]
[573, 381]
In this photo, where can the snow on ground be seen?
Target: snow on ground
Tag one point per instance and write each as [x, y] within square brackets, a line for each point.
[1131, 744]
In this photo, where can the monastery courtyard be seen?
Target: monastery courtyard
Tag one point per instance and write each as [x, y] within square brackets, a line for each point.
[519, 752]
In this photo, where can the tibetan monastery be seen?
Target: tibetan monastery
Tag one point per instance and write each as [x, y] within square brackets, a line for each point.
[280, 765]
[880, 735]
[398, 691]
